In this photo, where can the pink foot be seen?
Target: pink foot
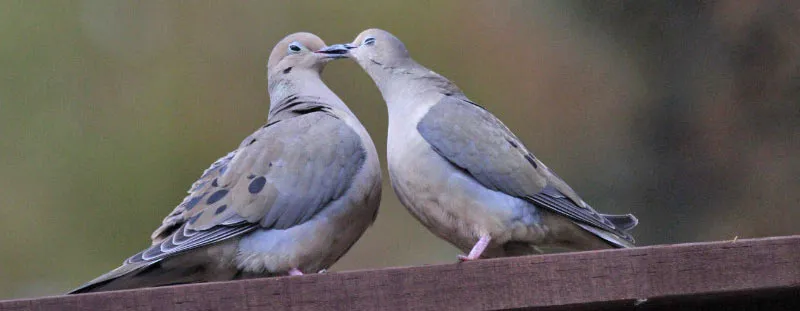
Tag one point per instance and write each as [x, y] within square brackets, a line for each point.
[465, 258]
[477, 250]
[295, 272]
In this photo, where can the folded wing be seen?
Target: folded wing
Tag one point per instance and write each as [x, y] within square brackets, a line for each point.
[474, 140]
[279, 177]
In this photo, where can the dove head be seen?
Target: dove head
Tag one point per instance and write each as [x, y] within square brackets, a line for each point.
[296, 52]
[375, 49]
[379, 53]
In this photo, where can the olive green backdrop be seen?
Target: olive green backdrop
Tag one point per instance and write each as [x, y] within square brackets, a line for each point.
[686, 115]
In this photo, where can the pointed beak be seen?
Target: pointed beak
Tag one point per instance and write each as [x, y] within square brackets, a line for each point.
[337, 51]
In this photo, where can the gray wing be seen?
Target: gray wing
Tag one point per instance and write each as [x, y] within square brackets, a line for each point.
[279, 177]
[474, 140]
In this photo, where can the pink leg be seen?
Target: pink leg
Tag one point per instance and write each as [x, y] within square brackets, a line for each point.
[295, 272]
[477, 250]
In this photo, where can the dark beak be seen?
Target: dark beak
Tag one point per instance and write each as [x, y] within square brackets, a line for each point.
[337, 50]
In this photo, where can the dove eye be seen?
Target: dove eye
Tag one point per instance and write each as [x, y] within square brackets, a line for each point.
[369, 41]
[294, 48]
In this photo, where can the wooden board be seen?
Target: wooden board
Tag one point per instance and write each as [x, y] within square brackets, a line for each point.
[758, 274]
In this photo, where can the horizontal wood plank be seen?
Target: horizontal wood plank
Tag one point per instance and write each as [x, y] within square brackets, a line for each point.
[757, 272]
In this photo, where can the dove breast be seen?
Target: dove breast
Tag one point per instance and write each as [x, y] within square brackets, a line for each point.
[446, 199]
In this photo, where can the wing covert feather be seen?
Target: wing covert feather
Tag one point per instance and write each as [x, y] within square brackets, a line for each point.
[474, 140]
[280, 176]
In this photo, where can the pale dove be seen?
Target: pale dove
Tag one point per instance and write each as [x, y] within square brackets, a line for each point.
[464, 174]
[295, 195]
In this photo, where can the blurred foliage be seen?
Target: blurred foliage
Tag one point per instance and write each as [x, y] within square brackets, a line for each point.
[684, 113]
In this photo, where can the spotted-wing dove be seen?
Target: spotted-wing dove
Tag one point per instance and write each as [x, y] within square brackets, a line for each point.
[293, 198]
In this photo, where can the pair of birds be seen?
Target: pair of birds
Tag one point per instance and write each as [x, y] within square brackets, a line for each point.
[299, 192]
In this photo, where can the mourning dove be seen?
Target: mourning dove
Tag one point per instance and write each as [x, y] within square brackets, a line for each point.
[464, 174]
[293, 198]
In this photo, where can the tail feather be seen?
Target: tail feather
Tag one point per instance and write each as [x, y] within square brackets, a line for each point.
[613, 239]
[112, 279]
[151, 275]
[624, 222]
[620, 239]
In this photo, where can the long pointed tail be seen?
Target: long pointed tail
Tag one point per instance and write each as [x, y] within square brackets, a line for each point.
[151, 275]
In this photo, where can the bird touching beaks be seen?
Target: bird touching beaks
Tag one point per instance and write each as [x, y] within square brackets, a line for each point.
[291, 199]
[464, 175]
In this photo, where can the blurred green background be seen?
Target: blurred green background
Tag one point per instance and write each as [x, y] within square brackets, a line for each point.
[685, 114]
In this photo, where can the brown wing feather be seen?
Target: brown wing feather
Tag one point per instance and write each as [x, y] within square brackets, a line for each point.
[475, 140]
[279, 177]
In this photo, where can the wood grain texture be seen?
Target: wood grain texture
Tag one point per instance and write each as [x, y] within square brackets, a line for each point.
[758, 274]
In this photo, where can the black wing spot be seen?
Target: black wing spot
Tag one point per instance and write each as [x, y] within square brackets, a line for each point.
[513, 144]
[216, 196]
[251, 142]
[193, 201]
[220, 209]
[257, 185]
[214, 183]
[287, 70]
[194, 218]
[531, 160]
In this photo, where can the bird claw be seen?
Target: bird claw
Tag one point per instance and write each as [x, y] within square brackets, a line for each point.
[477, 250]
[463, 258]
[323, 271]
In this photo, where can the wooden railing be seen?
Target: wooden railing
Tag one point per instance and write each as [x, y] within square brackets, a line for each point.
[758, 274]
